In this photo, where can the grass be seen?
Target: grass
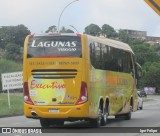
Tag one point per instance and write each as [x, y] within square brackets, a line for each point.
[16, 104]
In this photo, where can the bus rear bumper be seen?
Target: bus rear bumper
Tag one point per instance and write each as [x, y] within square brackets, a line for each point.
[57, 112]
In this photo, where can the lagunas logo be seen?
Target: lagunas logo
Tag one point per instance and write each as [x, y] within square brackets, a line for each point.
[60, 45]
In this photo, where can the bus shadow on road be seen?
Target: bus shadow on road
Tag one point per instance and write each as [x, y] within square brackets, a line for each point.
[85, 127]
[86, 124]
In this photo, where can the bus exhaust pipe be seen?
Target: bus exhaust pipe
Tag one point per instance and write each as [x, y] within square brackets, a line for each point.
[34, 113]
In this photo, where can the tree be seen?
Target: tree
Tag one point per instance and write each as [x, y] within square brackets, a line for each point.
[13, 52]
[13, 34]
[51, 29]
[64, 30]
[151, 75]
[54, 29]
[93, 29]
[145, 53]
[123, 36]
[108, 31]
[12, 39]
[19, 34]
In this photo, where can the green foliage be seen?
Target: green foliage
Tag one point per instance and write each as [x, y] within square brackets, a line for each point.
[51, 29]
[93, 29]
[13, 34]
[145, 53]
[20, 33]
[151, 71]
[13, 52]
[108, 31]
[16, 101]
[123, 36]
[11, 39]
[7, 66]
[54, 29]
[64, 30]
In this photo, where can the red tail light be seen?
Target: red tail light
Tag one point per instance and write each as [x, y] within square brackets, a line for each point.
[79, 35]
[31, 35]
[27, 98]
[83, 94]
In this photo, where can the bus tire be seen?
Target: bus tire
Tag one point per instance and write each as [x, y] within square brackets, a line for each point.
[104, 116]
[118, 116]
[44, 122]
[97, 122]
[59, 123]
[128, 115]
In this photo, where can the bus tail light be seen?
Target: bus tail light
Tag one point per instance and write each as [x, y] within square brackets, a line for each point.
[83, 94]
[27, 98]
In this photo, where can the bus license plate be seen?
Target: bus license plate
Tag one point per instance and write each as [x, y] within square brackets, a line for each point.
[53, 110]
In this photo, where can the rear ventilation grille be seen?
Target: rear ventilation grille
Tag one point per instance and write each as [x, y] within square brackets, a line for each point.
[54, 73]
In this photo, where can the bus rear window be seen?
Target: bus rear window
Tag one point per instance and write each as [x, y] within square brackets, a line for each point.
[54, 46]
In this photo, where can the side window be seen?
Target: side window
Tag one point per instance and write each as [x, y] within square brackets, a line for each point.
[109, 58]
[114, 59]
[120, 60]
[97, 51]
[96, 55]
[131, 64]
[104, 56]
[92, 53]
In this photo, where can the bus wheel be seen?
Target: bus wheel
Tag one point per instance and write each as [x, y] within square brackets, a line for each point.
[128, 115]
[58, 123]
[97, 122]
[44, 122]
[104, 117]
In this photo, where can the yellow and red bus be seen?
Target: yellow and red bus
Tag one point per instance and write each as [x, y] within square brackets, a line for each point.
[69, 77]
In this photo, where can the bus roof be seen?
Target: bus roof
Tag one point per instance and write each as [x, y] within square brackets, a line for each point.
[112, 43]
[57, 34]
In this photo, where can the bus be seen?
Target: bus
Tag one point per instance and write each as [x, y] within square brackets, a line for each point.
[69, 77]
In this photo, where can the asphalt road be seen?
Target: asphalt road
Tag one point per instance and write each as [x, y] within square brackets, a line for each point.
[148, 117]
